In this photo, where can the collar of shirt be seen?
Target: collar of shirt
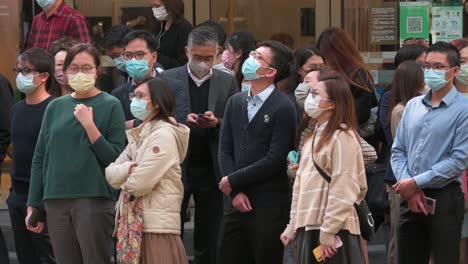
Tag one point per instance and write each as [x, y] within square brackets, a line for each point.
[59, 12]
[198, 81]
[134, 84]
[447, 100]
[262, 95]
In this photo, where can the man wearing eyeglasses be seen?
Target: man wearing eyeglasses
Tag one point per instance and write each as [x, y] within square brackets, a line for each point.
[209, 91]
[256, 136]
[140, 56]
[429, 156]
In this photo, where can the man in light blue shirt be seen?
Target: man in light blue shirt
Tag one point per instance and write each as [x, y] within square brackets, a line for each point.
[429, 156]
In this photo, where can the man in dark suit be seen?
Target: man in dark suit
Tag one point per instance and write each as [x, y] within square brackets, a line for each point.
[256, 136]
[6, 101]
[140, 59]
[209, 91]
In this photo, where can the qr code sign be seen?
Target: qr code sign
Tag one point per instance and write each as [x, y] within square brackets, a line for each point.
[414, 24]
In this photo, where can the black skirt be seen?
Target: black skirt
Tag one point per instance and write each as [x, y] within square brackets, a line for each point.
[349, 253]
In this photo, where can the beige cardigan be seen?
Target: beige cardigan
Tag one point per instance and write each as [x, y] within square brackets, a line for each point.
[158, 148]
[330, 206]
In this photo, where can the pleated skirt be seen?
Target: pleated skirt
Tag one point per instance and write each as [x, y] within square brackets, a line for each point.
[162, 249]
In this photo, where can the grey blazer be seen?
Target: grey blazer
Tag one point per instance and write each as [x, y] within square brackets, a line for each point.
[222, 87]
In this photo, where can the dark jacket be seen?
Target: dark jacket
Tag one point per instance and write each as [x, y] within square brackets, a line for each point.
[384, 109]
[222, 87]
[171, 52]
[364, 100]
[182, 99]
[6, 101]
[253, 155]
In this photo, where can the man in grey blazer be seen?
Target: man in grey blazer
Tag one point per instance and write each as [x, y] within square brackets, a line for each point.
[209, 90]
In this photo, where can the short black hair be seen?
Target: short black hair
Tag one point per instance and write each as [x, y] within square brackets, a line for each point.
[42, 62]
[219, 30]
[79, 48]
[151, 41]
[453, 56]
[408, 52]
[281, 58]
[115, 37]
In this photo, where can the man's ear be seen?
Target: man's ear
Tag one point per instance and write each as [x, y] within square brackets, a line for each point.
[187, 52]
[272, 73]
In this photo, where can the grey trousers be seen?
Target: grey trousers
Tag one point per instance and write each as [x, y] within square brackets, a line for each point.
[81, 230]
[394, 200]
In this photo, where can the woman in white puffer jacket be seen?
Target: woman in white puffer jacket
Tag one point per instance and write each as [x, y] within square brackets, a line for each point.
[149, 174]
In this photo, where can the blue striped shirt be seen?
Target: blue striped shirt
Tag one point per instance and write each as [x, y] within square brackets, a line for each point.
[431, 145]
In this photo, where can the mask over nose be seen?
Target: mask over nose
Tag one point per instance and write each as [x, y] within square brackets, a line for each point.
[25, 83]
[435, 79]
[228, 59]
[250, 68]
[311, 106]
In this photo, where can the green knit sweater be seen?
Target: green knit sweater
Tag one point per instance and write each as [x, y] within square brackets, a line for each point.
[65, 164]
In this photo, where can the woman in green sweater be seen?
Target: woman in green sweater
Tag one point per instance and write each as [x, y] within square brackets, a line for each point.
[81, 134]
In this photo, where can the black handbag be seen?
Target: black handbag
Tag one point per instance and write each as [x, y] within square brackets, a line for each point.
[366, 221]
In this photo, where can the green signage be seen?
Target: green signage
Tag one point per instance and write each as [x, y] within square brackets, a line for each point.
[414, 20]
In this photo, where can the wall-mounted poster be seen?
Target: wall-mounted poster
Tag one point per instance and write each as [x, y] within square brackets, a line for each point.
[414, 20]
[447, 23]
[383, 29]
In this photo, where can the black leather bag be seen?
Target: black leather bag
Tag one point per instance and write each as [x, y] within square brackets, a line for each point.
[366, 221]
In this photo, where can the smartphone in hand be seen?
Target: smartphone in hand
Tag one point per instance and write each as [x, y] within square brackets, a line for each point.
[318, 251]
[429, 204]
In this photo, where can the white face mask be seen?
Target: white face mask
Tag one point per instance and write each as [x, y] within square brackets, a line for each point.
[311, 106]
[160, 13]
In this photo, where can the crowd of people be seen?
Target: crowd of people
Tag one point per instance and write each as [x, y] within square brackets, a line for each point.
[271, 143]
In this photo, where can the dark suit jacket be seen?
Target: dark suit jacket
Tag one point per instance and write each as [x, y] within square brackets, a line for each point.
[6, 101]
[182, 99]
[222, 87]
[253, 155]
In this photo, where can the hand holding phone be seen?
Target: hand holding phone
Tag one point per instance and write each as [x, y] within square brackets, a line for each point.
[318, 250]
[429, 204]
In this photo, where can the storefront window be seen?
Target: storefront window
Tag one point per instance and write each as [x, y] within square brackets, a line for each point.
[264, 18]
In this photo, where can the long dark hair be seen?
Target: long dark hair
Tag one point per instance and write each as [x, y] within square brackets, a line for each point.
[175, 9]
[408, 81]
[245, 42]
[162, 95]
[344, 113]
[343, 56]
[42, 62]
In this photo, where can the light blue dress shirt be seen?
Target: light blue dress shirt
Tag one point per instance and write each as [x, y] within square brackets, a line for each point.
[431, 144]
[255, 103]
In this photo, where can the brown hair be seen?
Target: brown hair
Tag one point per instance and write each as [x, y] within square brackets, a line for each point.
[62, 44]
[342, 55]
[161, 94]
[408, 81]
[175, 9]
[79, 48]
[344, 112]
[460, 43]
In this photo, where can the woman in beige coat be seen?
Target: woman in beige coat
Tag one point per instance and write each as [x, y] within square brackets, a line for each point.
[149, 174]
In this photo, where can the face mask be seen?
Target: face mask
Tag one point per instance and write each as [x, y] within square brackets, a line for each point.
[301, 93]
[160, 13]
[44, 4]
[228, 59]
[25, 83]
[250, 68]
[138, 109]
[311, 106]
[435, 79]
[200, 69]
[60, 77]
[245, 86]
[137, 69]
[462, 76]
[120, 64]
[81, 82]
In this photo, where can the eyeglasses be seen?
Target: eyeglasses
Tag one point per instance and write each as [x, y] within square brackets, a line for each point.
[86, 69]
[201, 59]
[138, 55]
[314, 93]
[135, 95]
[256, 55]
[435, 67]
[24, 70]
